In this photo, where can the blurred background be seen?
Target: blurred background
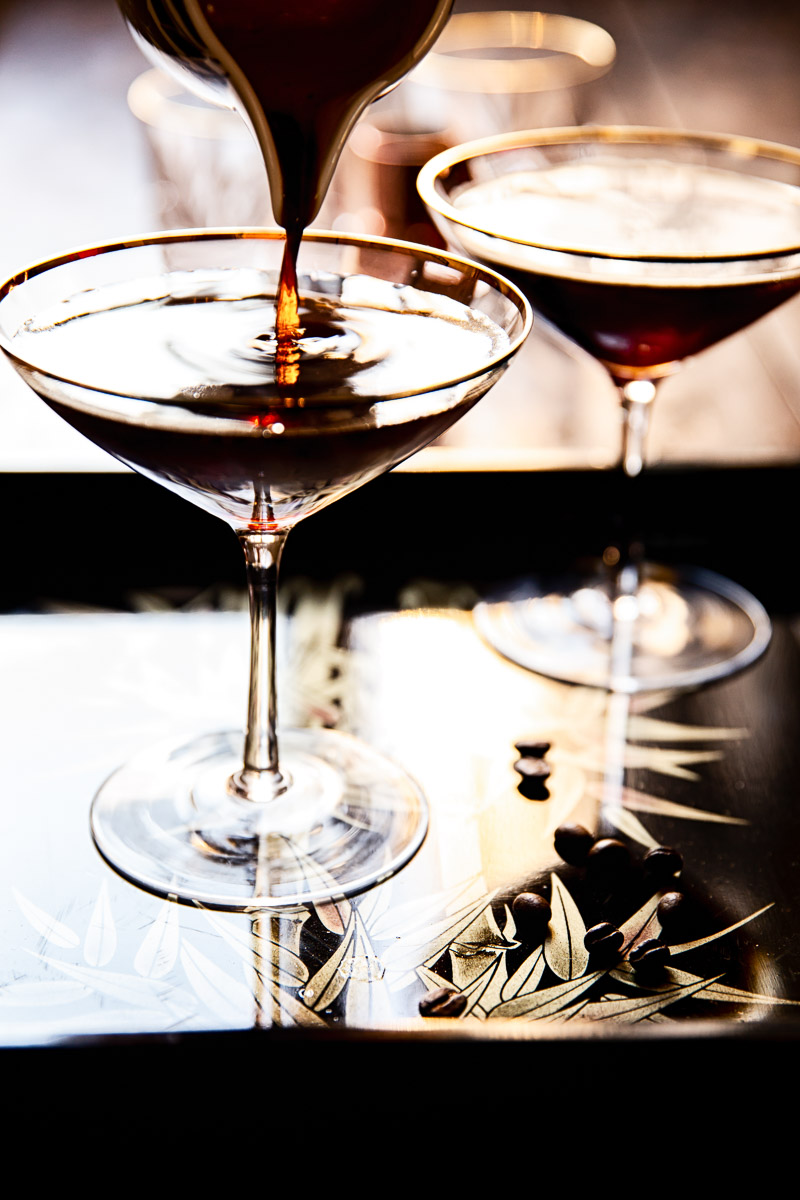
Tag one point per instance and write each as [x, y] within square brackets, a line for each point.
[94, 147]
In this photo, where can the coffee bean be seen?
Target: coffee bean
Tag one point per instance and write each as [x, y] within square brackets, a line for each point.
[531, 749]
[672, 912]
[649, 956]
[662, 864]
[442, 1002]
[532, 914]
[573, 843]
[608, 857]
[604, 941]
[532, 768]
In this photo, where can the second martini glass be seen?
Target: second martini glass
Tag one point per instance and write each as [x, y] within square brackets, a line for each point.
[644, 246]
[162, 351]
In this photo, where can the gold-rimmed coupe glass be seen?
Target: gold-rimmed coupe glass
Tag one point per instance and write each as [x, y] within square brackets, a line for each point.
[644, 246]
[162, 352]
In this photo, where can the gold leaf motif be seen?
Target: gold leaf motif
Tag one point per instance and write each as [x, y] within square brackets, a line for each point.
[547, 1001]
[287, 1009]
[325, 985]
[683, 947]
[564, 951]
[427, 947]
[636, 926]
[629, 1009]
[658, 806]
[652, 729]
[624, 820]
[526, 977]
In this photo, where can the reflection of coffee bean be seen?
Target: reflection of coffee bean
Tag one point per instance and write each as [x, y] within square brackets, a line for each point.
[608, 857]
[442, 1002]
[649, 957]
[573, 843]
[531, 749]
[532, 914]
[532, 768]
[662, 864]
[604, 941]
[534, 773]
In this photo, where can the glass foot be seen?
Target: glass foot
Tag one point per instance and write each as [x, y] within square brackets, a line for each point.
[349, 819]
[681, 628]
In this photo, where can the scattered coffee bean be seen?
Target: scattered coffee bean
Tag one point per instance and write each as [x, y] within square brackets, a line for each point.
[573, 843]
[532, 768]
[662, 864]
[672, 912]
[604, 941]
[608, 856]
[532, 914]
[442, 1002]
[649, 956]
[531, 749]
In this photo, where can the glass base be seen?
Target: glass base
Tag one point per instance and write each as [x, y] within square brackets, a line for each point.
[349, 819]
[682, 627]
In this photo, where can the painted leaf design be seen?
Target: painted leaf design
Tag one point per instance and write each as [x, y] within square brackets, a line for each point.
[368, 1001]
[431, 979]
[564, 951]
[658, 806]
[668, 762]
[409, 953]
[226, 997]
[272, 956]
[526, 977]
[158, 952]
[631, 826]
[129, 988]
[400, 921]
[374, 904]
[334, 915]
[629, 1009]
[51, 929]
[546, 1001]
[287, 1009]
[635, 926]
[325, 985]
[651, 729]
[100, 943]
[477, 989]
[493, 994]
[40, 993]
[683, 947]
[712, 991]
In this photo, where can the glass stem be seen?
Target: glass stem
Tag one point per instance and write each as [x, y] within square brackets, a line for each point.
[637, 397]
[261, 778]
[637, 402]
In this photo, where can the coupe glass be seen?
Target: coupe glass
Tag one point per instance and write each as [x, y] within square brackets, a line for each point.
[644, 246]
[161, 351]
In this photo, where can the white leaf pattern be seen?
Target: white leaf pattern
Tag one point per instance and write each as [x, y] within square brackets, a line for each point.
[100, 943]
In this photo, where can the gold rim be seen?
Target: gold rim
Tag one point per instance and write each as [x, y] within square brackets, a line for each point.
[579, 52]
[432, 190]
[174, 236]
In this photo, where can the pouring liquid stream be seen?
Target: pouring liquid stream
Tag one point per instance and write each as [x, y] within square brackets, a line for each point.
[301, 76]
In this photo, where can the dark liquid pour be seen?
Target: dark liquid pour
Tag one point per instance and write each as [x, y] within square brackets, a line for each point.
[302, 74]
